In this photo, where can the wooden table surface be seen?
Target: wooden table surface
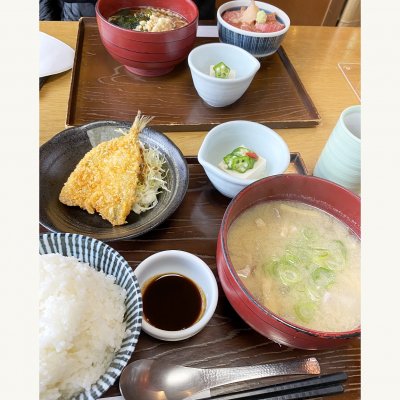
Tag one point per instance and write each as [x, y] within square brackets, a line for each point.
[227, 341]
[315, 53]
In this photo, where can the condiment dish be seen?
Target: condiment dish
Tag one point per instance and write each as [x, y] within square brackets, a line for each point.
[225, 137]
[189, 266]
[221, 92]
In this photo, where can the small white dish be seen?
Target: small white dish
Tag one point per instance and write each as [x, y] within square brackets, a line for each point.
[225, 137]
[55, 56]
[189, 266]
[219, 92]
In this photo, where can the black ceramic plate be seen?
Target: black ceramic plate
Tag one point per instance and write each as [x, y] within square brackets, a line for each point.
[59, 157]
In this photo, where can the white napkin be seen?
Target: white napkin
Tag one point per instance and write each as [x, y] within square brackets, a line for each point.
[207, 31]
[55, 56]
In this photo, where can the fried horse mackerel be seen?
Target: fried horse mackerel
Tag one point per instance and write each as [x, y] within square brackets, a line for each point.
[106, 179]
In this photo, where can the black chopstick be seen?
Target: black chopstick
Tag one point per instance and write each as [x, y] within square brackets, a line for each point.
[305, 388]
[307, 394]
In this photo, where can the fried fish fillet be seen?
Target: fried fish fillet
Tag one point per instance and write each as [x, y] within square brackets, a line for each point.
[106, 178]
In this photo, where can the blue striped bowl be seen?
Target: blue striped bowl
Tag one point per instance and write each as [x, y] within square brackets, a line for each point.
[256, 43]
[103, 258]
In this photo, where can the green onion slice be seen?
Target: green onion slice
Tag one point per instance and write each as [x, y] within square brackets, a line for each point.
[288, 273]
[323, 277]
[305, 310]
[309, 233]
[338, 256]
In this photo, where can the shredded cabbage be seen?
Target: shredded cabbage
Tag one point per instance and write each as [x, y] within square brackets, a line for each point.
[153, 182]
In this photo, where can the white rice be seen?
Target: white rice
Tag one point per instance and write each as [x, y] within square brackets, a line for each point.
[81, 325]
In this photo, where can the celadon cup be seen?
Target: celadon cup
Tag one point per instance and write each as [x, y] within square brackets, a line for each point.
[340, 160]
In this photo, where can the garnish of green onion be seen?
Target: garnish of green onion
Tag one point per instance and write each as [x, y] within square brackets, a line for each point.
[288, 274]
[338, 256]
[305, 311]
[323, 277]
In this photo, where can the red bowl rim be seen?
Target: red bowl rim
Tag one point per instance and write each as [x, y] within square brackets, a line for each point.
[194, 21]
[223, 241]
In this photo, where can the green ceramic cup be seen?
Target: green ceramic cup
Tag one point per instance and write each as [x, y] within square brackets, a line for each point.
[340, 160]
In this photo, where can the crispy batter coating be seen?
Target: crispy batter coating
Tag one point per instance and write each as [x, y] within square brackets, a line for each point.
[105, 180]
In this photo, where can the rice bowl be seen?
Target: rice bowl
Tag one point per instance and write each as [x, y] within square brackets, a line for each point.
[90, 316]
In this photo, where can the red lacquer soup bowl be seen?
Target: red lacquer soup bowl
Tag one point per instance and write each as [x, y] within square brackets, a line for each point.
[147, 53]
[320, 193]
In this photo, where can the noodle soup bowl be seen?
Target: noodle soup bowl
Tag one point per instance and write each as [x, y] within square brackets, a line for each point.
[259, 44]
[320, 193]
[147, 53]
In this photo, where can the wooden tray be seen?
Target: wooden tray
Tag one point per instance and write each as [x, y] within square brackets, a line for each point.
[102, 89]
[226, 340]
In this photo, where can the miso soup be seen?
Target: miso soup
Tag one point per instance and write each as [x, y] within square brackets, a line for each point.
[299, 262]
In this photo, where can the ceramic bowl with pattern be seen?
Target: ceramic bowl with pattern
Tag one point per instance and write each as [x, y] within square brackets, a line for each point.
[103, 258]
[259, 44]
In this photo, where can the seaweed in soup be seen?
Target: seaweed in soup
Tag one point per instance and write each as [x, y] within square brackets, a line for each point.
[148, 19]
[129, 18]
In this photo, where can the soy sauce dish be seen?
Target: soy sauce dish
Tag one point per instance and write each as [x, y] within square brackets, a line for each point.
[179, 292]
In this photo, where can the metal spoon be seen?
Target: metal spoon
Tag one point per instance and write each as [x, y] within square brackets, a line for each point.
[159, 380]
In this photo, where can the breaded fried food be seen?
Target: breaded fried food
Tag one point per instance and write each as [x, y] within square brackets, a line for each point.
[105, 180]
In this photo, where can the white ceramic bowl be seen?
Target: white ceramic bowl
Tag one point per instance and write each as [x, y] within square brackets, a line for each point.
[256, 43]
[225, 137]
[190, 266]
[219, 92]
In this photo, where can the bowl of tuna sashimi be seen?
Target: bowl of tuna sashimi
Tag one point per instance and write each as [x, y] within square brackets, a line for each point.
[254, 26]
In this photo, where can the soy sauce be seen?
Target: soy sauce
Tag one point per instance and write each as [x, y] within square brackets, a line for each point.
[172, 302]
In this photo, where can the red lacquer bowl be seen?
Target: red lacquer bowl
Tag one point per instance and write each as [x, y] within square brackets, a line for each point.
[147, 53]
[317, 192]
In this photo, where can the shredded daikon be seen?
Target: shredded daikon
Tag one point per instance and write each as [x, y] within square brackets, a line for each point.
[153, 182]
